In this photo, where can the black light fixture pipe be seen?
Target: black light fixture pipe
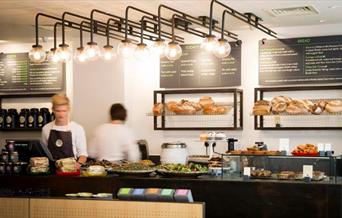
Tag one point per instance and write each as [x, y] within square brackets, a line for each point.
[55, 34]
[241, 17]
[81, 33]
[191, 19]
[126, 18]
[107, 29]
[223, 21]
[164, 33]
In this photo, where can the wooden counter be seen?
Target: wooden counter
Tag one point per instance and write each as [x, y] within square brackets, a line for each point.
[222, 197]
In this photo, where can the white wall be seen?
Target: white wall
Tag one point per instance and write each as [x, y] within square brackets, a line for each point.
[140, 100]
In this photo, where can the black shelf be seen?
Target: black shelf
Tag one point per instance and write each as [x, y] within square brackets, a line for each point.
[237, 105]
[259, 121]
[20, 129]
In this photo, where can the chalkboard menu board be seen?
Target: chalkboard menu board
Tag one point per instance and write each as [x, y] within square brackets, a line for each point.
[196, 68]
[300, 60]
[19, 75]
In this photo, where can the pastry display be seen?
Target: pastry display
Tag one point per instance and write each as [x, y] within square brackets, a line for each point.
[95, 170]
[261, 108]
[158, 109]
[215, 162]
[39, 165]
[305, 150]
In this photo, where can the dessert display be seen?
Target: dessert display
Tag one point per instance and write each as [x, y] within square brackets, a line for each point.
[261, 173]
[206, 105]
[39, 165]
[254, 150]
[305, 150]
[215, 162]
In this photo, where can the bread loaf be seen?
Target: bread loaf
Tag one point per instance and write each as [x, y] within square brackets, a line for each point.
[158, 109]
[334, 106]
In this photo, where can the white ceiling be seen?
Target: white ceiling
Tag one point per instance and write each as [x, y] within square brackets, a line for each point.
[17, 16]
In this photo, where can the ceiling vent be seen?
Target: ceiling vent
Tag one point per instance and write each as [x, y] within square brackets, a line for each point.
[295, 11]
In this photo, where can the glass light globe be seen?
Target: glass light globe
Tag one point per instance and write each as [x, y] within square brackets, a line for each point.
[53, 56]
[173, 51]
[64, 53]
[81, 55]
[93, 51]
[37, 54]
[142, 52]
[159, 47]
[126, 48]
[209, 44]
[108, 52]
[223, 49]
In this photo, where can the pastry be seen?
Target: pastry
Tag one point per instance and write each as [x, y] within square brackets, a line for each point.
[334, 106]
[171, 105]
[214, 109]
[184, 109]
[286, 175]
[261, 107]
[296, 107]
[203, 136]
[280, 99]
[206, 101]
[261, 173]
[279, 107]
[158, 109]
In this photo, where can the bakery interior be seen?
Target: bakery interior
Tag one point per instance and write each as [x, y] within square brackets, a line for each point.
[93, 85]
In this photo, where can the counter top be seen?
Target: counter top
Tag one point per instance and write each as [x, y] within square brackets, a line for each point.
[263, 198]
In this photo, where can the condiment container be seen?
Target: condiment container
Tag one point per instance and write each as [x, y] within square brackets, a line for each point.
[174, 153]
[32, 118]
[24, 113]
[11, 118]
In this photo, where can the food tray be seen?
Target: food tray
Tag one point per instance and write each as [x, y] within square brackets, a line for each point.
[59, 173]
[302, 154]
[133, 172]
[168, 173]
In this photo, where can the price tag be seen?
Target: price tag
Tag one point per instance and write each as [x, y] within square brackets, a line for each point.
[320, 146]
[327, 147]
[307, 171]
[247, 171]
[284, 144]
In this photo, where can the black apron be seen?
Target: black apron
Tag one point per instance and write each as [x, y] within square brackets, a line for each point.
[60, 144]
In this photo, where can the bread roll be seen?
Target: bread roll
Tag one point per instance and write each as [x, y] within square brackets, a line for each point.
[214, 109]
[206, 101]
[158, 109]
[279, 107]
[171, 105]
[184, 110]
[334, 106]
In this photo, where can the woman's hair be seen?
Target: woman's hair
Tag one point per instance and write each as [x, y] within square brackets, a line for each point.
[118, 112]
[59, 100]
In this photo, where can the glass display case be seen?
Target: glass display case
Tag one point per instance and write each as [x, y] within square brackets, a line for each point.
[200, 109]
[280, 167]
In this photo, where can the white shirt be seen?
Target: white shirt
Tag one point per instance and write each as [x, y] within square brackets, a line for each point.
[113, 142]
[79, 142]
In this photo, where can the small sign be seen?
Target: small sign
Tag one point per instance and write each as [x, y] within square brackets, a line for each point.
[307, 171]
[284, 145]
[247, 171]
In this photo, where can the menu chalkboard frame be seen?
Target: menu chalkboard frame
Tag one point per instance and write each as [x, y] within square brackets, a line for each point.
[29, 91]
[292, 61]
[198, 69]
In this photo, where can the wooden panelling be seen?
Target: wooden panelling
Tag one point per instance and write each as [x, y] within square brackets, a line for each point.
[14, 207]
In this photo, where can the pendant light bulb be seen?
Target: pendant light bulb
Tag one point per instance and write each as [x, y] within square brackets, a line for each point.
[142, 52]
[159, 47]
[209, 44]
[93, 51]
[53, 56]
[223, 49]
[64, 53]
[81, 55]
[126, 48]
[37, 54]
[108, 52]
[173, 51]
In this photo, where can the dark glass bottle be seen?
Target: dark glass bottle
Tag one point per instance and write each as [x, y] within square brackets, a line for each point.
[43, 116]
[3, 113]
[32, 118]
[11, 118]
[23, 117]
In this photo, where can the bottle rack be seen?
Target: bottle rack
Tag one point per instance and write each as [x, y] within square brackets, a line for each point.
[230, 98]
[304, 121]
